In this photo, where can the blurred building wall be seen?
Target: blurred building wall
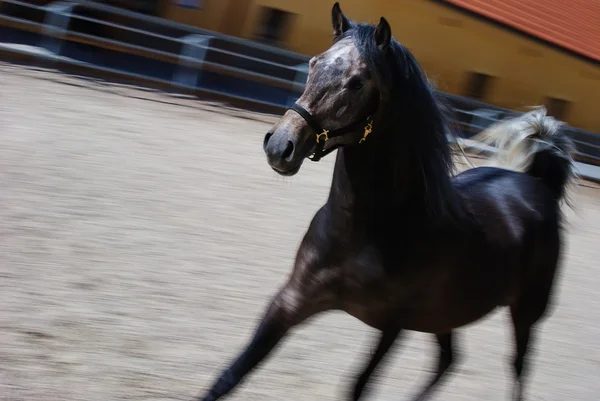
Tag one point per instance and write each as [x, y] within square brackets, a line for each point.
[462, 54]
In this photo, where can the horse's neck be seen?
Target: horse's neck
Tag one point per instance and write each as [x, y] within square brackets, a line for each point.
[377, 185]
[366, 186]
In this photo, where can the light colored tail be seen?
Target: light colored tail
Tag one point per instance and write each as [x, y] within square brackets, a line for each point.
[536, 144]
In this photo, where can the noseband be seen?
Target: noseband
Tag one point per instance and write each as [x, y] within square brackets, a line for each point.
[324, 135]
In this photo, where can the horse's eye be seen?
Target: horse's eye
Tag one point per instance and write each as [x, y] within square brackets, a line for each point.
[356, 84]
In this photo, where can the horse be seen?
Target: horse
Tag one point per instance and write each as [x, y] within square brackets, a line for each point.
[403, 242]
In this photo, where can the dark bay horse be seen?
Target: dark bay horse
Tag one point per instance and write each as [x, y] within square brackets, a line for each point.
[402, 243]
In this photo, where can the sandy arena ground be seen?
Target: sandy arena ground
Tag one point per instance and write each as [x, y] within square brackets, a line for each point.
[141, 236]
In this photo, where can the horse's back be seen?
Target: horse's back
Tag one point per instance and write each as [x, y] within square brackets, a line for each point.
[492, 177]
[507, 204]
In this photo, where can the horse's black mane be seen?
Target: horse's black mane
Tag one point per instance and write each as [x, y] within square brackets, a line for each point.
[417, 121]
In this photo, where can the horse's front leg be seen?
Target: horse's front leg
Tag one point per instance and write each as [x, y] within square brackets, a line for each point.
[310, 290]
[387, 339]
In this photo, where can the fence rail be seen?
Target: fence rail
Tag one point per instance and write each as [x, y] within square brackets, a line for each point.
[106, 39]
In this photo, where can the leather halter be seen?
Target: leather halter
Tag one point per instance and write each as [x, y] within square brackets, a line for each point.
[323, 135]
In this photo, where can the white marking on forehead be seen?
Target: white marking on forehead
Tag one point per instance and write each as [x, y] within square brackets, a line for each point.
[343, 50]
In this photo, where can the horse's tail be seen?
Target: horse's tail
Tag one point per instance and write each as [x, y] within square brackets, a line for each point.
[536, 144]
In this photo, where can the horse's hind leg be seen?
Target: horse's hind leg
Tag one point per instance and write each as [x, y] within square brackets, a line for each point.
[446, 358]
[524, 317]
[528, 310]
[522, 338]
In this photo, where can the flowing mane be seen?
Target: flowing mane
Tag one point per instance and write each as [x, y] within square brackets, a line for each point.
[416, 124]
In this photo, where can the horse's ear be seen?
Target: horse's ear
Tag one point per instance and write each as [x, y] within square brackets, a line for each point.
[383, 34]
[339, 21]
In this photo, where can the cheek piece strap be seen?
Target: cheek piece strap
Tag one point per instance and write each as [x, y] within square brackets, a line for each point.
[323, 135]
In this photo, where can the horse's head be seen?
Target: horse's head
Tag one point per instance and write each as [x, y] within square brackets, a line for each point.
[338, 102]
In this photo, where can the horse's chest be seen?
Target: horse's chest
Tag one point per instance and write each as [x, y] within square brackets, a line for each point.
[367, 289]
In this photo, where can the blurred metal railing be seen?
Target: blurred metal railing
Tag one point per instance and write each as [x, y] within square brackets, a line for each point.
[155, 50]
[185, 48]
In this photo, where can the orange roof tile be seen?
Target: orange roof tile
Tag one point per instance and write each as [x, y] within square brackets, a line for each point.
[570, 24]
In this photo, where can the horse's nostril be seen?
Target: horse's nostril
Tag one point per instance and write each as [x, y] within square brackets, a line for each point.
[266, 140]
[289, 149]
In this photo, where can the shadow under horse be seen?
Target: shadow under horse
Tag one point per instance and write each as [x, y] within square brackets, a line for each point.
[402, 243]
